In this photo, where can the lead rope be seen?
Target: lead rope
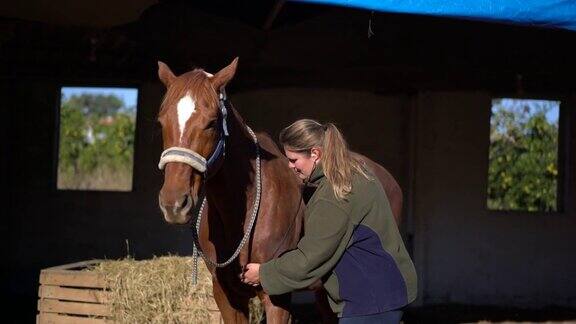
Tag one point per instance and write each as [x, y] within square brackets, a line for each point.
[197, 250]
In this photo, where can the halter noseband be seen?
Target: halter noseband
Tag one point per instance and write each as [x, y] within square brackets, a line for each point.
[192, 158]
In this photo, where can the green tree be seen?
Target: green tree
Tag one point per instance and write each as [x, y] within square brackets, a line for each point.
[523, 157]
[72, 138]
[98, 105]
[113, 145]
[96, 143]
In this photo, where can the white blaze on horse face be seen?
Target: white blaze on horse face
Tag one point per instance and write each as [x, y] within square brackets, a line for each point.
[186, 107]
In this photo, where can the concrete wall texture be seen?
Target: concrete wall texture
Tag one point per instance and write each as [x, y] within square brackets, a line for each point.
[465, 253]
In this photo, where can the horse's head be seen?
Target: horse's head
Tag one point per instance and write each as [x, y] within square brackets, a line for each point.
[192, 130]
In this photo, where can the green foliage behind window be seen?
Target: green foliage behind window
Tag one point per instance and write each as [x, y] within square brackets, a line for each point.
[96, 148]
[523, 158]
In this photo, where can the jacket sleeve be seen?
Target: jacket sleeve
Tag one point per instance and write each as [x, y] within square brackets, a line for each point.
[327, 233]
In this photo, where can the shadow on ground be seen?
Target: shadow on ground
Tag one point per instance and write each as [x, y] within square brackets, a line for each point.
[452, 314]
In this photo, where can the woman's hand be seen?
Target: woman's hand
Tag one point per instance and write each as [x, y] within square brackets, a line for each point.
[251, 274]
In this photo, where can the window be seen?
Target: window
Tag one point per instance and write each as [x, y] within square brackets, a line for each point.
[96, 138]
[523, 157]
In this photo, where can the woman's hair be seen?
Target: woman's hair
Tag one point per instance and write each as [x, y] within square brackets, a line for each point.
[338, 163]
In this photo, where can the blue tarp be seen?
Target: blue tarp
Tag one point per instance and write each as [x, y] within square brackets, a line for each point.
[542, 13]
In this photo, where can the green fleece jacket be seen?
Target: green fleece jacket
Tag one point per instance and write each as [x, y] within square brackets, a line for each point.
[353, 246]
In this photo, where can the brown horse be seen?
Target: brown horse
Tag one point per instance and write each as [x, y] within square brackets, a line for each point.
[210, 152]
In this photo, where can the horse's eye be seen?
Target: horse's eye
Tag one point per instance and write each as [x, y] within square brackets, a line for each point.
[211, 124]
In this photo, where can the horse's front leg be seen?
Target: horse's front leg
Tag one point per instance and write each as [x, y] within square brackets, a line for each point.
[323, 307]
[276, 308]
[233, 307]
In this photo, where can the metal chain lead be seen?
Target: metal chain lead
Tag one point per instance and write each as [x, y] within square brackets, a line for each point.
[197, 250]
[194, 264]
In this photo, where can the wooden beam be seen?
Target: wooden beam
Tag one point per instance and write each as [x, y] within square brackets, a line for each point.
[73, 294]
[273, 14]
[56, 306]
[52, 318]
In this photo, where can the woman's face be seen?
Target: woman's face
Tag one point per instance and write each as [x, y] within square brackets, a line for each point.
[302, 162]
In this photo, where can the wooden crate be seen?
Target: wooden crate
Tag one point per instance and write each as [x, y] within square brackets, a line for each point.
[69, 295]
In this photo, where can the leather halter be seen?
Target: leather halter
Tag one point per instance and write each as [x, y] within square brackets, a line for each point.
[192, 158]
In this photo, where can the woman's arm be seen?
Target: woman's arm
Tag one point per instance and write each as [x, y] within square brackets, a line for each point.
[327, 233]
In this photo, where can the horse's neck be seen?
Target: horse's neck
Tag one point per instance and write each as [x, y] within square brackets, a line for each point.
[232, 185]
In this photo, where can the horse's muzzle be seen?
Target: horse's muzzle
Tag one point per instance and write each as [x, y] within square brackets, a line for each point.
[177, 212]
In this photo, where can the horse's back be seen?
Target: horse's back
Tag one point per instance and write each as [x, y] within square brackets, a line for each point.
[390, 185]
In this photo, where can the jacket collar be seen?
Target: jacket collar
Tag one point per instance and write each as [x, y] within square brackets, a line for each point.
[316, 176]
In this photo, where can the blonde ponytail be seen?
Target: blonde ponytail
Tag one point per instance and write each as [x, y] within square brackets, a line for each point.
[339, 165]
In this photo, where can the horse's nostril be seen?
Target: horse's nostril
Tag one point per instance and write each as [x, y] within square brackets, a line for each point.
[179, 203]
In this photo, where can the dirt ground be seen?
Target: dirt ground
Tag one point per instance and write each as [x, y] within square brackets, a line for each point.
[488, 314]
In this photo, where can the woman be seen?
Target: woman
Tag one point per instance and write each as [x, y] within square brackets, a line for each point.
[351, 240]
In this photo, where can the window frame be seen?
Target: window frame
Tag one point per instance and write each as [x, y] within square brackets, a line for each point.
[56, 150]
[562, 152]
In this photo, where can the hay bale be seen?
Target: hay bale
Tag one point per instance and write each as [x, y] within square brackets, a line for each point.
[161, 291]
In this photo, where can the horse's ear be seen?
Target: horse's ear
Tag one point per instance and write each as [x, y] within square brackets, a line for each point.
[165, 74]
[224, 76]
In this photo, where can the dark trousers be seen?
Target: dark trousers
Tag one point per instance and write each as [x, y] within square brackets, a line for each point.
[391, 317]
